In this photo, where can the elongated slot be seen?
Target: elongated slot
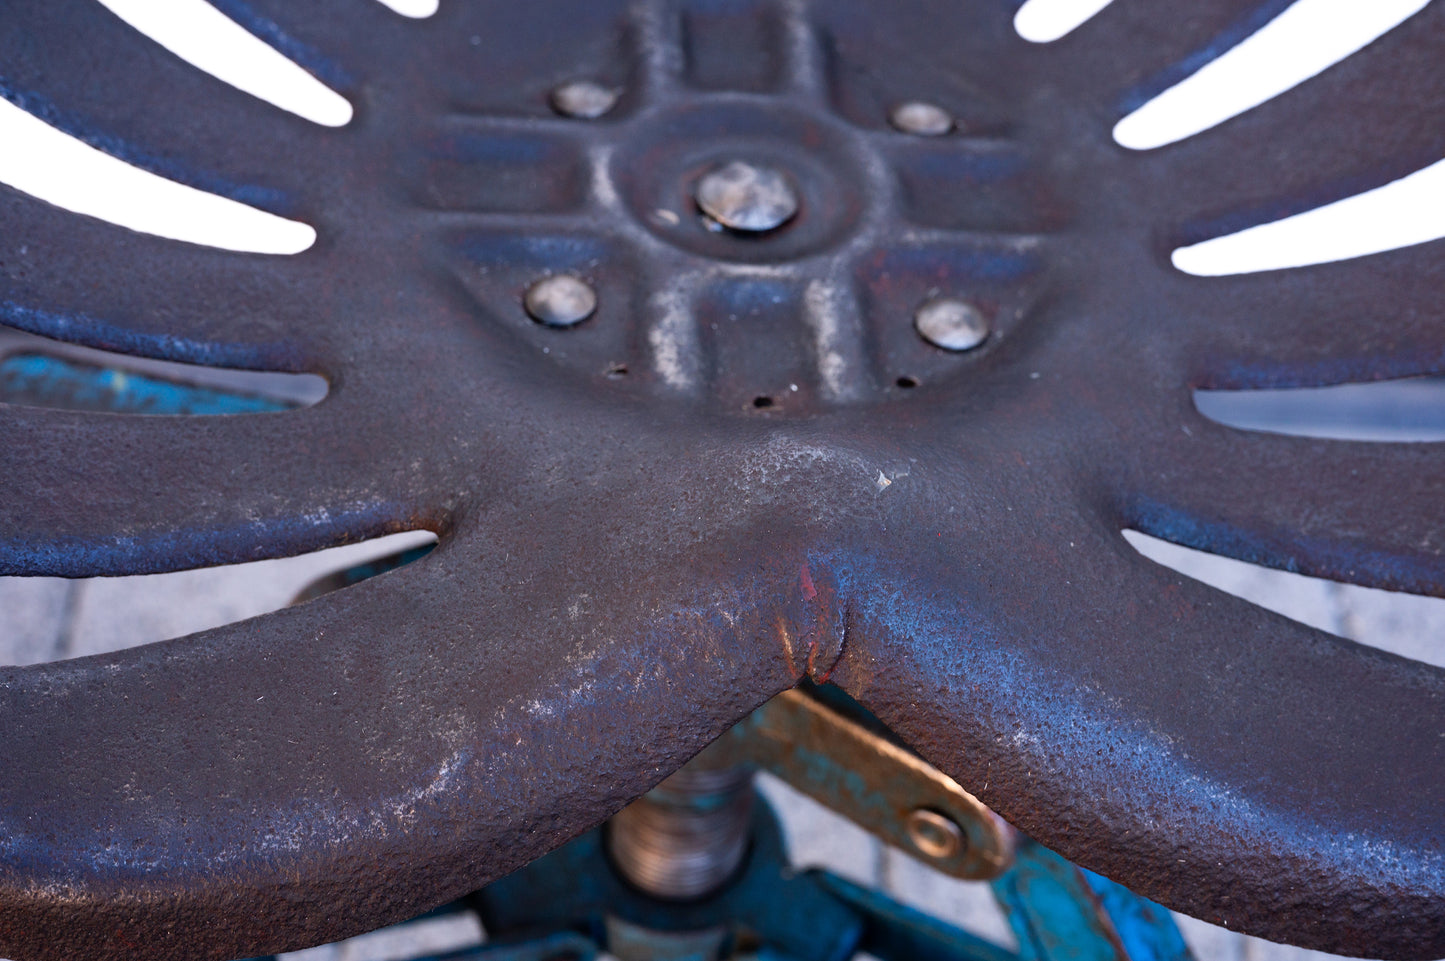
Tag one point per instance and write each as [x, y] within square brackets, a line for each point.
[1408, 211]
[1405, 624]
[36, 372]
[207, 39]
[60, 169]
[47, 619]
[1044, 21]
[416, 9]
[1308, 37]
[1407, 410]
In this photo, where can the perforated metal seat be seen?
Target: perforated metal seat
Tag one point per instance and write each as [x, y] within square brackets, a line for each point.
[877, 421]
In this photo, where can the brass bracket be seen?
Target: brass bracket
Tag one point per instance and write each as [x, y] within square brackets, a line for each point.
[885, 789]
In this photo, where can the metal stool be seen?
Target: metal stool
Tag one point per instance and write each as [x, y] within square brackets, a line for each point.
[726, 345]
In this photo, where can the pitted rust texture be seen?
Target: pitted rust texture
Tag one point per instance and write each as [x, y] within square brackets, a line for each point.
[625, 534]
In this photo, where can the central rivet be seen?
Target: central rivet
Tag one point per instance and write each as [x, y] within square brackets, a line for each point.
[747, 197]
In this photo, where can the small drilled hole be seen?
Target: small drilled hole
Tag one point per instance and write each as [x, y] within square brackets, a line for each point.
[906, 382]
[762, 402]
[616, 370]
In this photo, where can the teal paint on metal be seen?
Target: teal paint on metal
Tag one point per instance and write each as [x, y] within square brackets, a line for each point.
[1062, 912]
[361, 572]
[896, 932]
[1146, 929]
[40, 380]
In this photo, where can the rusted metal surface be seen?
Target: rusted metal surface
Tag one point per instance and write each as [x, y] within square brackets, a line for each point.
[883, 788]
[745, 468]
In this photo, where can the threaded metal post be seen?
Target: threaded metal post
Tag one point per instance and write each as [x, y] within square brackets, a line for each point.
[688, 835]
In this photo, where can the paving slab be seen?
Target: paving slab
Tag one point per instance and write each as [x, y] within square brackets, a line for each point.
[33, 618]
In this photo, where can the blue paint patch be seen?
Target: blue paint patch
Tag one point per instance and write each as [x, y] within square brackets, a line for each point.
[39, 380]
[1062, 912]
[896, 932]
[363, 572]
[1146, 929]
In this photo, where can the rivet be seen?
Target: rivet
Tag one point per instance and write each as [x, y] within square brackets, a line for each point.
[934, 835]
[747, 197]
[583, 99]
[951, 323]
[921, 119]
[560, 301]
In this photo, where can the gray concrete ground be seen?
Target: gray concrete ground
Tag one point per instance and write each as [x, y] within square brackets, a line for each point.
[46, 619]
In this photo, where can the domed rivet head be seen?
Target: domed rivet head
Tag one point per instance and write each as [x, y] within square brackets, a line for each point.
[921, 119]
[747, 197]
[934, 835]
[951, 323]
[583, 99]
[560, 301]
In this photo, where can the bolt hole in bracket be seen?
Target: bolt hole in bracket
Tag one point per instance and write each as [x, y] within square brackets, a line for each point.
[695, 869]
[872, 781]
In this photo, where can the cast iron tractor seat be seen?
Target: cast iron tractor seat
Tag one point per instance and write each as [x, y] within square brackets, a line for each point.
[724, 462]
